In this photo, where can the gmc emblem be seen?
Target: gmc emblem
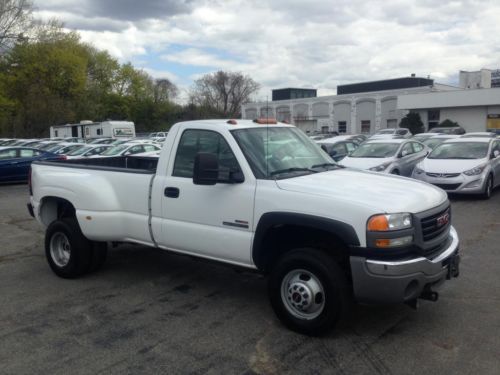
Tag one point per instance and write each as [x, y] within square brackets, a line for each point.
[443, 219]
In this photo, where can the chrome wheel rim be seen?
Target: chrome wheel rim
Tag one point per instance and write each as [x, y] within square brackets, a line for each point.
[60, 249]
[303, 294]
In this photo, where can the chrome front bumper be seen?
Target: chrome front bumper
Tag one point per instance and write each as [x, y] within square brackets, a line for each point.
[378, 281]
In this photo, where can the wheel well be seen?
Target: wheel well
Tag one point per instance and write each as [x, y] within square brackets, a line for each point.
[54, 208]
[281, 238]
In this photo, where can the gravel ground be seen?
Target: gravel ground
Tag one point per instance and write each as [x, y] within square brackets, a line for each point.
[149, 311]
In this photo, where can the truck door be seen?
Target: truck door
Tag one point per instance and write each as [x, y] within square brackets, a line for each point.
[216, 220]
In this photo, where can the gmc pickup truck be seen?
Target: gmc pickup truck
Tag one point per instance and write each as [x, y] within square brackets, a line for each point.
[261, 195]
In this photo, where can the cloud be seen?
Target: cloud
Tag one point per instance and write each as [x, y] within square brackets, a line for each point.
[282, 43]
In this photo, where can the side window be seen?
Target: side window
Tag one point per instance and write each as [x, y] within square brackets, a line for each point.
[135, 150]
[148, 148]
[338, 149]
[350, 146]
[417, 147]
[26, 153]
[194, 141]
[407, 149]
[7, 154]
[401, 131]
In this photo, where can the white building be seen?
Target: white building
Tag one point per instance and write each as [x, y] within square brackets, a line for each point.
[474, 110]
[481, 79]
[359, 112]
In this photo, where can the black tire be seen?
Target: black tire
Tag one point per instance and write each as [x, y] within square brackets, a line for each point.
[488, 188]
[318, 266]
[99, 255]
[67, 232]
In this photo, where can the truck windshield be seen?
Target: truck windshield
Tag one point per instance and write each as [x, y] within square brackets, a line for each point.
[280, 152]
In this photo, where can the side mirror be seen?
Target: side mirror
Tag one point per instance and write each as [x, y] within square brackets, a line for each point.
[496, 154]
[206, 169]
[333, 153]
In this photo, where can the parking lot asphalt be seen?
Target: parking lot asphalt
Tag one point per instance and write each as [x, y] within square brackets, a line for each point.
[149, 311]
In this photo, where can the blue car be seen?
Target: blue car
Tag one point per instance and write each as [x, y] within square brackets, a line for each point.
[15, 162]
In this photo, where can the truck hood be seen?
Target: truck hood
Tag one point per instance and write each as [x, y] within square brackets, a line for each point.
[449, 165]
[364, 163]
[384, 193]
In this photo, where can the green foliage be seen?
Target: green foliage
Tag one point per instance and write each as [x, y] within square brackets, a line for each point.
[413, 122]
[448, 124]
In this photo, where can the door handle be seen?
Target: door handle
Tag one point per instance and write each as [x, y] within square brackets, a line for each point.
[171, 192]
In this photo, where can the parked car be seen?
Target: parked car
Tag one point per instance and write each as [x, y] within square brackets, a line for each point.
[127, 149]
[479, 135]
[70, 148]
[431, 143]
[392, 133]
[338, 147]
[15, 162]
[463, 165]
[395, 156]
[324, 234]
[88, 150]
[8, 142]
[448, 130]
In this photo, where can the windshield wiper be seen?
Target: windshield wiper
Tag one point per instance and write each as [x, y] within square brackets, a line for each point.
[324, 165]
[293, 169]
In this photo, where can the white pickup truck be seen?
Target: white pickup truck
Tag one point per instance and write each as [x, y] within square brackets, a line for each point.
[261, 195]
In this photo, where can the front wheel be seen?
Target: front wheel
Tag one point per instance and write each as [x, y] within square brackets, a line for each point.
[488, 188]
[308, 291]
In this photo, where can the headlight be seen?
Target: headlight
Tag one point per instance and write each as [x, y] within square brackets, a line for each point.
[388, 222]
[380, 168]
[418, 170]
[475, 171]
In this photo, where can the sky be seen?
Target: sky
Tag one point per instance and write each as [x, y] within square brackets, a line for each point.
[290, 43]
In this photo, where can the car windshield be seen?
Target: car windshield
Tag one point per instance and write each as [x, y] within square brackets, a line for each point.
[433, 142]
[277, 152]
[115, 150]
[79, 151]
[460, 150]
[375, 150]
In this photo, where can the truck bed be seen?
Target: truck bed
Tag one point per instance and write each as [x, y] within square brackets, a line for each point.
[129, 164]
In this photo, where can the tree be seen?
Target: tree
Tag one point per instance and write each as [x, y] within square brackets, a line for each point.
[164, 90]
[448, 124]
[15, 19]
[223, 93]
[413, 122]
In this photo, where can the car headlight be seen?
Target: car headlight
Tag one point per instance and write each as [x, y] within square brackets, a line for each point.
[389, 222]
[380, 227]
[418, 170]
[380, 168]
[475, 171]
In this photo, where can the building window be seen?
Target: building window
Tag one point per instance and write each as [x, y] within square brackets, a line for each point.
[99, 131]
[365, 127]
[433, 118]
[342, 126]
[56, 133]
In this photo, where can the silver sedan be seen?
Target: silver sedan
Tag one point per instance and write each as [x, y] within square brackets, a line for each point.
[463, 165]
[395, 156]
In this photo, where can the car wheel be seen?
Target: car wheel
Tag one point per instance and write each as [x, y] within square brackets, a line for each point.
[308, 291]
[67, 250]
[488, 188]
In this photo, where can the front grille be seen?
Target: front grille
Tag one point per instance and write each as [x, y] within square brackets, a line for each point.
[447, 186]
[434, 225]
[445, 175]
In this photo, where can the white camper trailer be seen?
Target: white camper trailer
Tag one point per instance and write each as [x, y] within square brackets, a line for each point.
[89, 129]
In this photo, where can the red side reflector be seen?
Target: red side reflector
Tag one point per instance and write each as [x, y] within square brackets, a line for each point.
[232, 122]
[265, 121]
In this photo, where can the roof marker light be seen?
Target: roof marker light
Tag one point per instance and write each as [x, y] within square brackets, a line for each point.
[265, 121]
[232, 122]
